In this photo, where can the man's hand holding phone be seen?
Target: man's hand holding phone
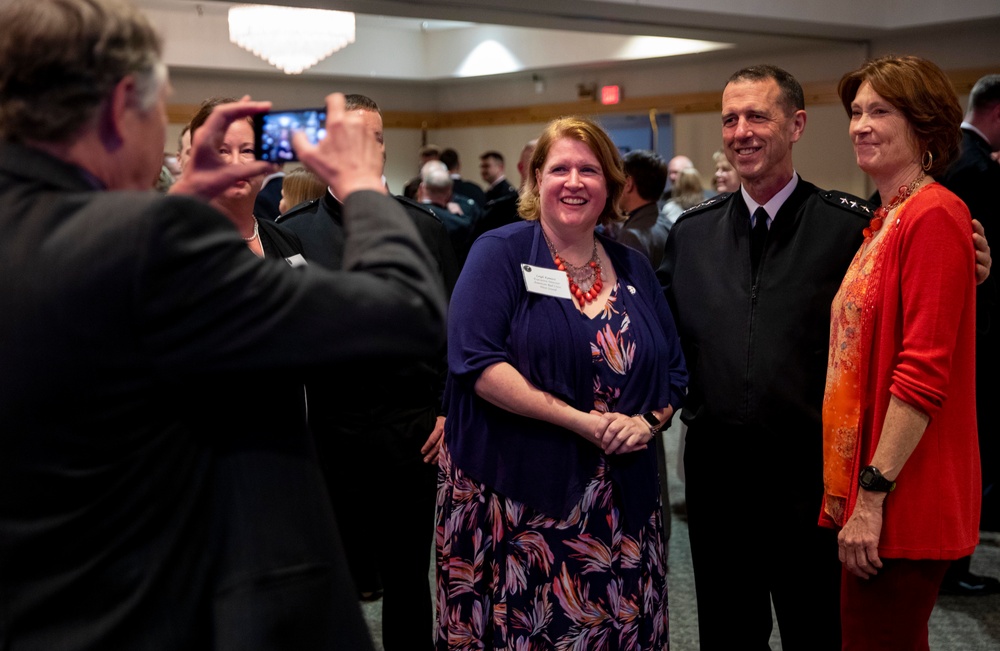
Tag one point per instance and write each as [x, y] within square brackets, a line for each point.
[348, 158]
[273, 131]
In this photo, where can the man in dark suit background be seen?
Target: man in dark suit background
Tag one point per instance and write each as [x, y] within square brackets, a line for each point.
[462, 187]
[503, 210]
[435, 193]
[975, 178]
[377, 429]
[132, 317]
[425, 154]
[644, 231]
[491, 168]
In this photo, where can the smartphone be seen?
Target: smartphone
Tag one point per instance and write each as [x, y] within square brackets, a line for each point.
[273, 132]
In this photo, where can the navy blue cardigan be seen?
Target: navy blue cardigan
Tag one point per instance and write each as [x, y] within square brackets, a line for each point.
[493, 318]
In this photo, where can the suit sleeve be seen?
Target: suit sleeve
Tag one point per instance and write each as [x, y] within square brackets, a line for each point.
[206, 302]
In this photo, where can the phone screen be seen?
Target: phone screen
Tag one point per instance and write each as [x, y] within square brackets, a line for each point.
[273, 132]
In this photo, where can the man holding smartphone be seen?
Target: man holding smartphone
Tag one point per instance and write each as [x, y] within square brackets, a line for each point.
[113, 526]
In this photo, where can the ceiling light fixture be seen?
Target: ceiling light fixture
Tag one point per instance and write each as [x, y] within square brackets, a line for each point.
[290, 38]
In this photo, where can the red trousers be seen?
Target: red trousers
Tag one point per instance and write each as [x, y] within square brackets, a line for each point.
[890, 611]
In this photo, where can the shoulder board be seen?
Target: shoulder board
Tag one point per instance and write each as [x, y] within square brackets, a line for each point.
[848, 202]
[412, 205]
[506, 198]
[305, 207]
[712, 202]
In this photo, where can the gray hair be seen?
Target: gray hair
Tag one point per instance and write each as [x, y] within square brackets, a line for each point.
[435, 177]
[61, 59]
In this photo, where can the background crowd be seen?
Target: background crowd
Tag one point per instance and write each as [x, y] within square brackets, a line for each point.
[233, 406]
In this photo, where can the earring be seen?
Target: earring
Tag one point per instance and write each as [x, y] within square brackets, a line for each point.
[927, 160]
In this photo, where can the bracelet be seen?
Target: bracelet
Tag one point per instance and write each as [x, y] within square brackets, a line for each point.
[652, 422]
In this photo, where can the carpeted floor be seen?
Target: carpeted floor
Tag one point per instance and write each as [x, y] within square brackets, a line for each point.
[957, 624]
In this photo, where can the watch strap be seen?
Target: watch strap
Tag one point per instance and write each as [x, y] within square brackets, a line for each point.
[652, 421]
[871, 479]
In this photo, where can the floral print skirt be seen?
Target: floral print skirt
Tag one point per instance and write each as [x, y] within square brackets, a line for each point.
[511, 578]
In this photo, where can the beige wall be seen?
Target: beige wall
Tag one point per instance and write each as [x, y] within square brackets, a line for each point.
[470, 143]
[401, 146]
[823, 156]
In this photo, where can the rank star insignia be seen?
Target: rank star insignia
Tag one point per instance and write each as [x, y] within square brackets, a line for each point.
[843, 200]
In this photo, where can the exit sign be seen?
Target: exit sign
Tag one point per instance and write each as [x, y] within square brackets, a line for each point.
[611, 94]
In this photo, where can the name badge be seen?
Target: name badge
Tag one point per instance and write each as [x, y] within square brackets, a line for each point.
[550, 282]
[296, 260]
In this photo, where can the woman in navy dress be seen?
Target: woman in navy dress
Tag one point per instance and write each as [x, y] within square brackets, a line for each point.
[564, 363]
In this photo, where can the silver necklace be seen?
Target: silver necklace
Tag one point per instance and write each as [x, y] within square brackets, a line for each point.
[255, 232]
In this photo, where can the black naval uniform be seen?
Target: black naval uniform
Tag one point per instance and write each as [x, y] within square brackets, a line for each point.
[757, 355]
[369, 424]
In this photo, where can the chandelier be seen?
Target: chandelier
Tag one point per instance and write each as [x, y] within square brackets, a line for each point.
[290, 38]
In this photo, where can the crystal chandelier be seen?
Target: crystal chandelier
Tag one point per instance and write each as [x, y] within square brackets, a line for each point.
[290, 38]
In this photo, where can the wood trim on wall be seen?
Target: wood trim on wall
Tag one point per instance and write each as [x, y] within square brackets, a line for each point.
[706, 102]
[181, 113]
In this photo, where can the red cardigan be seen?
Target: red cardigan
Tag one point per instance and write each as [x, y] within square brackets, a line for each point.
[920, 343]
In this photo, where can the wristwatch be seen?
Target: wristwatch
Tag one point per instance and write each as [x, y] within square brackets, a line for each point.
[871, 479]
[652, 421]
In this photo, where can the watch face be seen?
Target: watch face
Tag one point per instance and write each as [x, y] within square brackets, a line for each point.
[871, 479]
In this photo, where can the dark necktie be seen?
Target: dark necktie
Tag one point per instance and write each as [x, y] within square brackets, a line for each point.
[757, 236]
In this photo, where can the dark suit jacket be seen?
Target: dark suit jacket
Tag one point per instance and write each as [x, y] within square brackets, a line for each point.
[319, 226]
[471, 211]
[975, 178]
[411, 188]
[469, 189]
[501, 189]
[459, 229]
[645, 232]
[757, 352]
[499, 212]
[277, 241]
[369, 421]
[385, 389]
[266, 204]
[133, 514]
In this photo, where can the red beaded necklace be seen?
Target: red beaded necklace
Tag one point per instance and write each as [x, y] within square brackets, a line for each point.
[882, 212]
[588, 275]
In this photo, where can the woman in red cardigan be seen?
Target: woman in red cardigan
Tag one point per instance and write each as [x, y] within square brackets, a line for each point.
[901, 459]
